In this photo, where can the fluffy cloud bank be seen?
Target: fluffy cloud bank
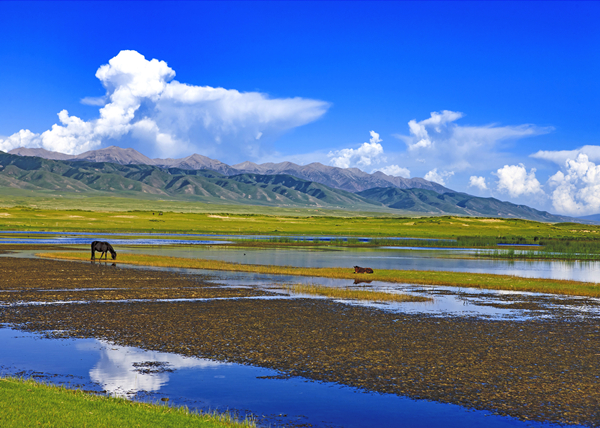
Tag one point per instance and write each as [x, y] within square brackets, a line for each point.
[516, 181]
[367, 154]
[144, 103]
[577, 190]
[442, 142]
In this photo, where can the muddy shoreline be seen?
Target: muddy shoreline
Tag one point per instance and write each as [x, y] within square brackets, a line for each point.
[543, 370]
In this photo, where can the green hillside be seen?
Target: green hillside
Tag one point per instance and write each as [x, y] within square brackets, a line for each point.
[102, 179]
[27, 176]
[432, 203]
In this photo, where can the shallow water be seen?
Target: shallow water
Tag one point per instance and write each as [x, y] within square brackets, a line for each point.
[204, 384]
[386, 259]
[84, 241]
[208, 235]
[446, 301]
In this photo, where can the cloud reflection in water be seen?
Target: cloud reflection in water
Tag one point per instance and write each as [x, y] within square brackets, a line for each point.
[116, 373]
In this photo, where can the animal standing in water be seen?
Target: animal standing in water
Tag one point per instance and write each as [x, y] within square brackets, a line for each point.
[103, 248]
[358, 269]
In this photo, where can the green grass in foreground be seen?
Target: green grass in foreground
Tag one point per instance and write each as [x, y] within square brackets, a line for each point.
[455, 279]
[345, 293]
[27, 403]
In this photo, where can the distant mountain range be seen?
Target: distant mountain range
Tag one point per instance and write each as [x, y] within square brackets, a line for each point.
[350, 179]
[128, 173]
[454, 203]
[592, 217]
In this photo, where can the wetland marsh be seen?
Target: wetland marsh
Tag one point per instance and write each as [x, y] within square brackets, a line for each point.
[279, 327]
[524, 364]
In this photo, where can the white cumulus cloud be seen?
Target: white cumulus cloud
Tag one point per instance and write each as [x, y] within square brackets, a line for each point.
[440, 177]
[420, 130]
[395, 170]
[367, 154]
[144, 103]
[478, 182]
[443, 143]
[516, 181]
[577, 190]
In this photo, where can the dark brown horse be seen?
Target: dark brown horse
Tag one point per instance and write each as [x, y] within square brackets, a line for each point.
[358, 269]
[103, 248]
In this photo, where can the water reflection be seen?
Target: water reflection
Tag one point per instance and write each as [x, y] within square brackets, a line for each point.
[388, 259]
[118, 368]
[207, 385]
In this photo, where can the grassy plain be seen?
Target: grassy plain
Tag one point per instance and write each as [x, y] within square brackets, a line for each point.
[455, 279]
[281, 221]
[27, 403]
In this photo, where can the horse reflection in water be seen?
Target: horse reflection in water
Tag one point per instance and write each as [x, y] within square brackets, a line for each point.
[103, 248]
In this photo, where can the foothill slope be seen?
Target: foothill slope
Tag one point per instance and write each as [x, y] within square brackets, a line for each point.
[115, 172]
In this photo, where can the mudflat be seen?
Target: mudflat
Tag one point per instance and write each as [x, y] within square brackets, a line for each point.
[543, 370]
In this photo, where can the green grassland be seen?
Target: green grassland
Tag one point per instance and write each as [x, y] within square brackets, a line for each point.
[27, 403]
[222, 220]
[455, 279]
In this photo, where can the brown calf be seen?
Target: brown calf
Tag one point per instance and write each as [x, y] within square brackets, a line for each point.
[358, 269]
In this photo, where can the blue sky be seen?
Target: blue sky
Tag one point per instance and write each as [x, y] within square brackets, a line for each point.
[513, 87]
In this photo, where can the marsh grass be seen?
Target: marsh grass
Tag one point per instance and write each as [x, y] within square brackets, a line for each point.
[564, 249]
[354, 294]
[29, 403]
[454, 279]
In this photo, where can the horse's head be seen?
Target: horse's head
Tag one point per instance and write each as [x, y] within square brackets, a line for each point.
[114, 255]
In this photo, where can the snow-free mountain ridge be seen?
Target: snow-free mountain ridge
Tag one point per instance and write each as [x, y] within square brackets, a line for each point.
[35, 176]
[349, 179]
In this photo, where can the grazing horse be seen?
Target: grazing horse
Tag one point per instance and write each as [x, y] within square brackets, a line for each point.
[358, 269]
[103, 248]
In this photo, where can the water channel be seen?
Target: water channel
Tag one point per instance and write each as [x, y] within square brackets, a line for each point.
[202, 384]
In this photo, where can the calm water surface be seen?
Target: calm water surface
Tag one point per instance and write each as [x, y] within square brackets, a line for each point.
[387, 259]
[204, 384]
